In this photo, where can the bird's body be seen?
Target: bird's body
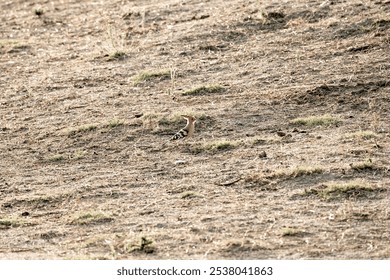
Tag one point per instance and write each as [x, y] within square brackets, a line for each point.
[187, 131]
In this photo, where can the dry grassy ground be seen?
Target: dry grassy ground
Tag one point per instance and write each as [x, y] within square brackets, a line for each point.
[290, 159]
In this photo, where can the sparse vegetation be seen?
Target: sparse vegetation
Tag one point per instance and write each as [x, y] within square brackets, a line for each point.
[324, 120]
[253, 141]
[361, 166]
[269, 17]
[215, 146]
[288, 231]
[118, 55]
[152, 75]
[145, 245]
[117, 188]
[9, 223]
[92, 127]
[283, 174]
[220, 145]
[115, 123]
[170, 120]
[7, 42]
[115, 44]
[341, 190]
[204, 89]
[152, 120]
[14, 46]
[56, 158]
[43, 200]
[189, 194]
[305, 170]
[259, 141]
[91, 219]
[79, 154]
[81, 129]
[362, 134]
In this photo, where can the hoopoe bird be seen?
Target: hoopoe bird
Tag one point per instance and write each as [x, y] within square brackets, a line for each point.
[187, 131]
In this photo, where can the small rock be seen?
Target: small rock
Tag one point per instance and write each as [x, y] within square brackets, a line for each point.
[25, 214]
[281, 133]
[138, 115]
[262, 154]
[180, 162]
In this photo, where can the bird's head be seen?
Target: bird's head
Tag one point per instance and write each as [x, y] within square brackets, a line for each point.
[189, 118]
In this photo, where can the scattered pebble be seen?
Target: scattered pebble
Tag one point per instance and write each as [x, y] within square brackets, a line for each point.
[296, 130]
[281, 133]
[262, 154]
[180, 162]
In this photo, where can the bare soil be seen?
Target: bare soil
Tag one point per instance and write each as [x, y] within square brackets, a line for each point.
[85, 171]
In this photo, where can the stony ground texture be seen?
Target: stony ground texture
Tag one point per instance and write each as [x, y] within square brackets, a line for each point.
[290, 159]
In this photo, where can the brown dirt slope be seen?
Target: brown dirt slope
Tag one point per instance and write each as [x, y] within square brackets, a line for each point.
[290, 159]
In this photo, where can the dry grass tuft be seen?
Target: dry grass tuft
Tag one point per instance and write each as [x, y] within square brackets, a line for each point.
[296, 23]
[117, 55]
[81, 129]
[305, 170]
[310, 121]
[269, 17]
[76, 155]
[362, 134]
[92, 127]
[189, 194]
[259, 141]
[144, 245]
[152, 75]
[201, 90]
[365, 166]
[91, 219]
[9, 223]
[289, 231]
[215, 146]
[115, 123]
[57, 158]
[341, 190]
[79, 154]
[284, 174]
